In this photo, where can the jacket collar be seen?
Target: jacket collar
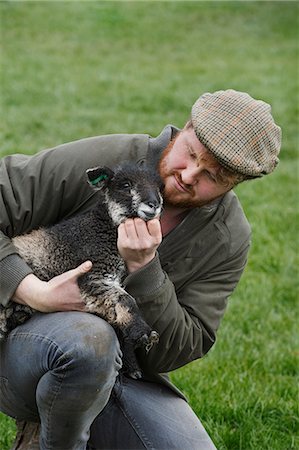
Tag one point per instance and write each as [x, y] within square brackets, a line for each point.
[158, 144]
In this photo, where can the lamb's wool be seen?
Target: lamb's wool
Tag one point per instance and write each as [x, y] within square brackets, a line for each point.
[129, 191]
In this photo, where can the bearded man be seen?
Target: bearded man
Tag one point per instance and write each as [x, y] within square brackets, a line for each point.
[67, 394]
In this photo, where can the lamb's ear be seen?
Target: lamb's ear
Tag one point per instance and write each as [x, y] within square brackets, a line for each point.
[99, 177]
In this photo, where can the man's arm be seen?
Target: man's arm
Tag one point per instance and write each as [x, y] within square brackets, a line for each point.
[26, 183]
[42, 189]
[187, 321]
[61, 293]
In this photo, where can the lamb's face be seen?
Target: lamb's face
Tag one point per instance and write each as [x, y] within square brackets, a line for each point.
[130, 191]
[133, 192]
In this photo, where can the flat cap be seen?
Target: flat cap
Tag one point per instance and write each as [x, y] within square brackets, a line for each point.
[238, 130]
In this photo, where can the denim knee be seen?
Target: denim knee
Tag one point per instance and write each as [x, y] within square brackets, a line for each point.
[79, 381]
[68, 356]
[90, 346]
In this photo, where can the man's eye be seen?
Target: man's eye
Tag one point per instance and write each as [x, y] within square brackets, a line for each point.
[126, 185]
[211, 176]
[192, 153]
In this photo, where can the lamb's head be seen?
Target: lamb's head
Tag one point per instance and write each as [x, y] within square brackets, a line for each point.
[129, 190]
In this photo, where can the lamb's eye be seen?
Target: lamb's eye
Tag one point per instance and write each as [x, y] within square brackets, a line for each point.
[126, 185]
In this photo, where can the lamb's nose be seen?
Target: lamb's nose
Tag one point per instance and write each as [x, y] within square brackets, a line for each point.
[153, 205]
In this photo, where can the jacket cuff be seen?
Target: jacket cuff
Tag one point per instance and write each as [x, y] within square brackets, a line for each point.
[13, 269]
[146, 280]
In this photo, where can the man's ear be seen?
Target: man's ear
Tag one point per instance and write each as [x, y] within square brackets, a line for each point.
[98, 177]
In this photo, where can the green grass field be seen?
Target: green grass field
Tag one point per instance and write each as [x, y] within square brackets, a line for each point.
[76, 69]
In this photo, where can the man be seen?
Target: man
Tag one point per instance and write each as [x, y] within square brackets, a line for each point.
[62, 368]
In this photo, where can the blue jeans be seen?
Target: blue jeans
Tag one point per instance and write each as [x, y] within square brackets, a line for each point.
[62, 370]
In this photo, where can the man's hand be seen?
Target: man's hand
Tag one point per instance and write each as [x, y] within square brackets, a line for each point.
[61, 293]
[138, 241]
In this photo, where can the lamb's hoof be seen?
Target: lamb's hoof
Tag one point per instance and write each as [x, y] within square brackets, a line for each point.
[136, 374]
[153, 340]
[148, 341]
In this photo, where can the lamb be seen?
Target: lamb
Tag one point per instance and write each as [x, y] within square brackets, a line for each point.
[126, 191]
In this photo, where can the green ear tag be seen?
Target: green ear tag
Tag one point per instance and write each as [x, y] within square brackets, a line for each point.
[100, 178]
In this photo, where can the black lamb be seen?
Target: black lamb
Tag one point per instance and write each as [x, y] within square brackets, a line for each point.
[127, 191]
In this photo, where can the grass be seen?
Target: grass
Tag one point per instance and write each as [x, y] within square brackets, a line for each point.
[76, 69]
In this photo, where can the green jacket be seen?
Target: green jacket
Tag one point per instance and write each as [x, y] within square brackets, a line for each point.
[183, 292]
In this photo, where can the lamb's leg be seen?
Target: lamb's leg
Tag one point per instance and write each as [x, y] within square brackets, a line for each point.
[11, 316]
[119, 309]
[134, 333]
[4, 328]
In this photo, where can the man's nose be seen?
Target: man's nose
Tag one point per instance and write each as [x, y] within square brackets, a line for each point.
[190, 175]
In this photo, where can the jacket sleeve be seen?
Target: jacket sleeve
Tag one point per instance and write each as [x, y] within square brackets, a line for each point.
[51, 185]
[32, 194]
[187, 320]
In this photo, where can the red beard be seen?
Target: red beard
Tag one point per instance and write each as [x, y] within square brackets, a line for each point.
[173, 197]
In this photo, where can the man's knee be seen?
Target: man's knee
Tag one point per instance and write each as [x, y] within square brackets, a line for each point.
[89, 343]
[68, 340]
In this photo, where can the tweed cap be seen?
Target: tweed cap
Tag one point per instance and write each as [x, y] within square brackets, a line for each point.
[238, 130]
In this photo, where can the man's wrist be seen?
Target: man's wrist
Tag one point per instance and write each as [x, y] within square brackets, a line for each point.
[31, 291]
[13, 269]
[147, 280]
[133, 266]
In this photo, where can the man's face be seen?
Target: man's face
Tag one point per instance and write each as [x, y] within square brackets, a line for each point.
[189, 172]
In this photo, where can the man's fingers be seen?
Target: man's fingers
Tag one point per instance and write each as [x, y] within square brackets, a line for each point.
[84, 267]
[131, 227]
[136, 229]
[154, 228]
[81, 270]
[140, 228]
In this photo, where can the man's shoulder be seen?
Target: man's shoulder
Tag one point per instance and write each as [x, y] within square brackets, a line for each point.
[105, 149]
[235, 221]
[233, 209]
